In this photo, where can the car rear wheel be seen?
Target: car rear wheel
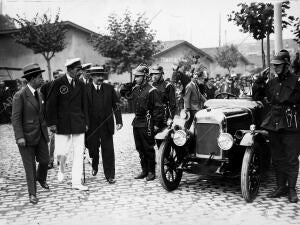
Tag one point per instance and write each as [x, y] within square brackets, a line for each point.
[168, 170]
[250, 174]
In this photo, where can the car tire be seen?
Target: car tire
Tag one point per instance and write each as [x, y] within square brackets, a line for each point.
[168, 172]
[250, 174]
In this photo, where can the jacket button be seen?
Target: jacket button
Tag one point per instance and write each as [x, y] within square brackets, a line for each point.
[277, 93]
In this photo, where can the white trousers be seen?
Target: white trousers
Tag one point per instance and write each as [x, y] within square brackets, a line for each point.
[71, 144]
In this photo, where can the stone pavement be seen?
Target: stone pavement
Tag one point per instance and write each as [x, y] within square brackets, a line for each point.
[200, 200]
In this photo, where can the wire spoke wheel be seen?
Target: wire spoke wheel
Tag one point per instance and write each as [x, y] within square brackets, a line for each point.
[250, 174]
[168, 170]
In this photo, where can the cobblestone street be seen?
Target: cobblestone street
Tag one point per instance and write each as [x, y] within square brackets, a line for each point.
[198, 200]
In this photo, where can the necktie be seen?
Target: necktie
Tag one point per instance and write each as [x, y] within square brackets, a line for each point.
[98, 89]
[36, 95]
[73, 84]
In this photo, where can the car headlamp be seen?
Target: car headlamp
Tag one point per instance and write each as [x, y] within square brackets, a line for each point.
[225, 141]
[179, 138]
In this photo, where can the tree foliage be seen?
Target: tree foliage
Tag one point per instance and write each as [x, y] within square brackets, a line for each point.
[6, 22]
[42, 35]
[296, 30]
[257, 18]
[128, 43]
[227, 57]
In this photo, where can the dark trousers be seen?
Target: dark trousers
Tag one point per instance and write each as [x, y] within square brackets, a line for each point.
[29, 155]
[285, 152]
[189, 122]
[145, 146]
[104, 140]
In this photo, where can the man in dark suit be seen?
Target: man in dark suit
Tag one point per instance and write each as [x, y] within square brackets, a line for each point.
[102, 102]
[66, 117]
[31, 130]
[46, 90]
[193, 99]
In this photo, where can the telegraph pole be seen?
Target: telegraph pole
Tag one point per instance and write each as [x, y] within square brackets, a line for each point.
[277, 26]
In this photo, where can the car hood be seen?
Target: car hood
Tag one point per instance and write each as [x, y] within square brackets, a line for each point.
[216, 110]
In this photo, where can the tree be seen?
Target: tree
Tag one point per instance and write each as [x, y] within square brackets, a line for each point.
[128, 43]
[6, 22]
[227, 57]
[42, 36]
[258, 19]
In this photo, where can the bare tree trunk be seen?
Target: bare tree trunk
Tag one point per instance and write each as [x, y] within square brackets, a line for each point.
[263, 54]
[49, 69]
[268, 50]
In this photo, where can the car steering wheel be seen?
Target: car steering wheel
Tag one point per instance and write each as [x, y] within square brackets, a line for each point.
[226, 94]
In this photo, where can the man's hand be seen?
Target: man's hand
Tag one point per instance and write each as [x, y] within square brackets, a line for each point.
[21, 142]
[119, 126]
[53, 128]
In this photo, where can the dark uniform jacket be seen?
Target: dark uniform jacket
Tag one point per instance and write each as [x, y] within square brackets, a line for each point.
[284, 99]
[110, 100]
[66, 107]
[167, 93]
[28, 117]
[46, 91]
[146, 99]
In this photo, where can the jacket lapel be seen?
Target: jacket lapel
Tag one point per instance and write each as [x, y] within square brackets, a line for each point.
[31, 98]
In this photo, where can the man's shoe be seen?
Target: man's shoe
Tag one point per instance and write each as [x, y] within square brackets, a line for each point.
[33, 199]
[142, 175]
[293, 198]
[44, 184]
[279, 192]
[94, 172]
[80, 187]
[150, 176]
[111, 180]
[60, 176]
[50, 166]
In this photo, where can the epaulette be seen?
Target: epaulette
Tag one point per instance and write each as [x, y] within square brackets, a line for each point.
[152, 89]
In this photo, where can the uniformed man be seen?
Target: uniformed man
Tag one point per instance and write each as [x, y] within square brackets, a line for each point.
[283, 124]
[67, 116]
[167, 93]
[85, 76]
[148, 114]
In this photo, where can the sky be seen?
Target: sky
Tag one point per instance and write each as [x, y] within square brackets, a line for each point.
[196, 21]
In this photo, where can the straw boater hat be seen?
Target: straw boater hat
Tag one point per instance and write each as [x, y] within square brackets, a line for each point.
[31, 70]
[97, 71]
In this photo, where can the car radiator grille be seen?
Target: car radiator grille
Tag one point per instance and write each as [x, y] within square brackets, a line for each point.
[207, 135]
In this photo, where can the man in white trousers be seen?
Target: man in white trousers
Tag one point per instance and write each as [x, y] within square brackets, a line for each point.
[67, 117]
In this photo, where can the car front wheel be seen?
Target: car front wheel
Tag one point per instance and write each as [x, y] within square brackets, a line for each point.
[168, 170]
[250, 174]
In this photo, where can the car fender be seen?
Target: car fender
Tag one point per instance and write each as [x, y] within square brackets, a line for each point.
[163, 134]
[248, 139]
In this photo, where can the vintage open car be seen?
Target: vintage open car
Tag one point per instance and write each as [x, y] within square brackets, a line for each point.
[224, 140]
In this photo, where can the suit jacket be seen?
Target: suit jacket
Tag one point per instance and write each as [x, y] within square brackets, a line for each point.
[46, 90]
[193, 99]
[110, 102]
[28, 117]
[66, 107]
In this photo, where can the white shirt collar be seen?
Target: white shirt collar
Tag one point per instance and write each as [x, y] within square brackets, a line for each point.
[31, 89]
[95, 85]
[69, 78]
